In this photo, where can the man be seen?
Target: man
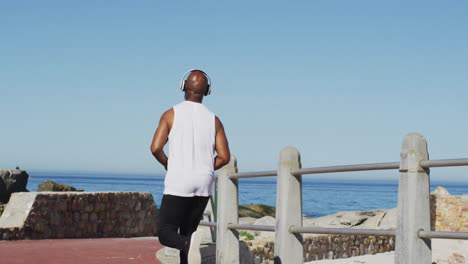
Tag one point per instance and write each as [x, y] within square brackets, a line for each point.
[194, 134]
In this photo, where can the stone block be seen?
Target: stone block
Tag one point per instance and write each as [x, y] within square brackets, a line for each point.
[93, 217]
[84, 217]
[17, 210]
[57, 219]
[138, 206]
[5, 235]
[89, 208]
[68, 219]
[61, 205]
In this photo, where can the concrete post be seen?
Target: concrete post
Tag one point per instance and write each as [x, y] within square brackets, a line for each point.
[227, 241]
[214, 209]
[413, 203]
[209, 214]
[288, 246]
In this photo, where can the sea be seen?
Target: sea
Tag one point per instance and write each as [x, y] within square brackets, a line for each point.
[320, 196]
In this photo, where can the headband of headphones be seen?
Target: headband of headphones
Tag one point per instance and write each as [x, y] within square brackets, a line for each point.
[185, 76]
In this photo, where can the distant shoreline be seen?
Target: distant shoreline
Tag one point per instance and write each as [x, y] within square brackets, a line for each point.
[44, 174]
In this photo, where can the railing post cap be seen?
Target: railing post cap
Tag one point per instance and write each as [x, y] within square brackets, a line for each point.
[233, 160]
[289, 151]
[290, 154]
[414, 136]
[413, 151]
[231, 167]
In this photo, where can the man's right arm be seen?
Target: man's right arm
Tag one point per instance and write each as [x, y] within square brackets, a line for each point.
[161, 136]
[221, 146]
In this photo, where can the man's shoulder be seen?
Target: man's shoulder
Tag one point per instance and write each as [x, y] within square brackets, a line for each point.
[218, 123]
[168, 114]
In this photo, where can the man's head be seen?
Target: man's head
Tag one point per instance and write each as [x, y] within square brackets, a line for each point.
[196, 84]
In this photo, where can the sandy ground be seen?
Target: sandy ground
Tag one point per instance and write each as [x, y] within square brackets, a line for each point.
[443, 251]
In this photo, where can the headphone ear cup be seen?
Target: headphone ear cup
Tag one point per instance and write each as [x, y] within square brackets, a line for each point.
[208, 90]
[182, 85]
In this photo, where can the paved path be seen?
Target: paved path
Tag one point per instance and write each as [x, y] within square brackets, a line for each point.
[80, 251]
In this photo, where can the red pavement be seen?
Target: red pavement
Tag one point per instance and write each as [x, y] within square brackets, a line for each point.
[80, 251]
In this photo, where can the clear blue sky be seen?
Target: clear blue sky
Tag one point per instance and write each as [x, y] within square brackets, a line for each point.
[83, 83]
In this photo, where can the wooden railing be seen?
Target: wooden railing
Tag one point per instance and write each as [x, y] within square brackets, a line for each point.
[413, 233]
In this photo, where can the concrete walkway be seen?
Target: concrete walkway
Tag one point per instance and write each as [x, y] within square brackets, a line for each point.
[80, 251]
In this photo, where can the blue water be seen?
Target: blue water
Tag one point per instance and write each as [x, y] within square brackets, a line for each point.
[320, 197]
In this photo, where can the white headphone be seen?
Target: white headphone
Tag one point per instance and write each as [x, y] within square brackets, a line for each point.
[185, 76]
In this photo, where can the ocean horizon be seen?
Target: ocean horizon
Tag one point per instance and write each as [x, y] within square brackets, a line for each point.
[320, 196]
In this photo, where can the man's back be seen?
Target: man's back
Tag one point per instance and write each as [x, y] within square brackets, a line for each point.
[191, 151]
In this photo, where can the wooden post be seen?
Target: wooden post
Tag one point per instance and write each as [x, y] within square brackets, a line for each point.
[288, 246]
[413, 203]
[227, 241]
[210, 211]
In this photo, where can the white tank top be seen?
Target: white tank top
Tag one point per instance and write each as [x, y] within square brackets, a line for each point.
[190, 168]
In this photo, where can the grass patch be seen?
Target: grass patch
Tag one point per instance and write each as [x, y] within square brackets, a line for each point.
[246, 234]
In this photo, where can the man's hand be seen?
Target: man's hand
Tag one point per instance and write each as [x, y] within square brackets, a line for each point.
[161, 135]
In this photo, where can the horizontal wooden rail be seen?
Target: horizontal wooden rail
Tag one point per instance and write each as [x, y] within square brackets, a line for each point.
[443, 234]
[354, 167]
[444, 163]
[342, 231]
[210, 224]
[252, 227]
[256, 174]
[348, 168]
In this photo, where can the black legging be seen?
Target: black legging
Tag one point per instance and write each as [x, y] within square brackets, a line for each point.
[183, 214]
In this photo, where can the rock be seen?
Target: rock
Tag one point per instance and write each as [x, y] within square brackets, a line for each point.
[439, 190]
[456, 258]
[352, 218]
[385, 219]
[450, 251]
[265, 221]
[247, 220]
[308, 221]
[51, 186]
[375, 219]
[12, 181]
[389, 221]
[343, 219]
[256, 210]
[373, 222]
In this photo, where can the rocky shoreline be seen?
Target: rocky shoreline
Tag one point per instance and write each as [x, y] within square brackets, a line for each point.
[16, 181]
[317, 247]
[449, 213]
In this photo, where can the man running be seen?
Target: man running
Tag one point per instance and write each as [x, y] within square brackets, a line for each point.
[194, 134]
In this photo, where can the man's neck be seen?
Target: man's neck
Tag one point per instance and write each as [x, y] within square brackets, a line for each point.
[194, 101]
[193, 97]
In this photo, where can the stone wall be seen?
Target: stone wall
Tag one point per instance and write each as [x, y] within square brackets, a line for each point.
[84, 215]
[449, 212]
[328, 247]
[13, 233]
[335, 246]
